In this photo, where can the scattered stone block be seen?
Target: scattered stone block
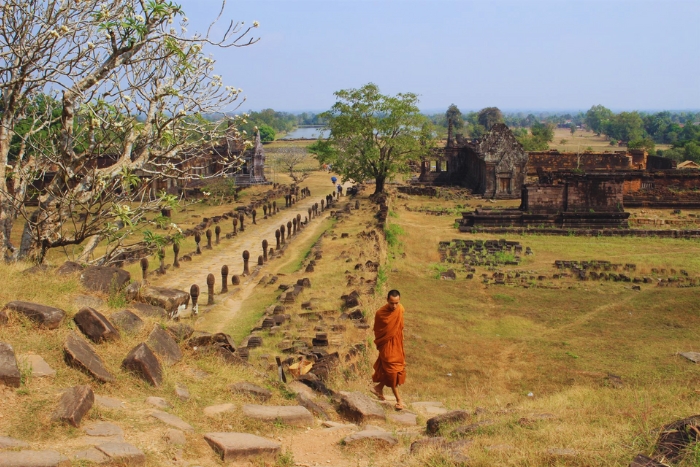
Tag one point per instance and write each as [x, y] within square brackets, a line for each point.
[92, 455]
[109, 402]
[182, 392]
[436, 423]
[252, 390]
[33, 459]
[142, 361]
[692, 356]
[309, 402]
[165, 346]
[214, 410]
[103, 429]
[7, 442]
[359, 408]
[84, 301]
[149, 311]
[373, 435]
[158, 402]
[430, 407]
[95, 326]
[294, 415]
[68, 268]
[127, 321]
[9, 371]
[172, 420]
[122, 453]
[104, 279]
[448, 275]
[403, 418]
[79, 354]
[45, 316]
[675, 438]
[242, 446]
[168, 299]
[74, 404]
[40, 369]
[180, 331]
[175, 437]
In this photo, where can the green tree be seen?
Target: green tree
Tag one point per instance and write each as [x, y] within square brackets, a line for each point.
[643, 143]
[597, 117]
[373, 135]
[489, 116]
[625, 126]
[454, 121]
[267, 133]
[572, 128]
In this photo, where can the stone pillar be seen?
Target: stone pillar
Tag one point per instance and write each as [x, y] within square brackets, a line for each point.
[269, 209]
[254, 213]
[235, 280]
[161, 258]
[271, 253]
[309, 211]
[277, 236]
[246, 257]
[260, 260]
[235, 224]
[176, 252]
[210, 289]
[208, 233]
[224, 279]
[194, 293]
[264, 211]
[217, 231]
[264, 247]
[298, 221]
[144, 269]
[322, 205]
[282, 233]
[197, 240]
[294, 225]
[289, 230]
[274, 207]
[357, 204]
[240, 219]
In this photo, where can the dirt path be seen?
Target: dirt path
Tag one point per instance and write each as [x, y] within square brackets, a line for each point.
[230, 252]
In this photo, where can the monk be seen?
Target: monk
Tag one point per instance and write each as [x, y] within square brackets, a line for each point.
[390, 367]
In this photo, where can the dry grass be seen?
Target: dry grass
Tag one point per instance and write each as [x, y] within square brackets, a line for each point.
[583, 139]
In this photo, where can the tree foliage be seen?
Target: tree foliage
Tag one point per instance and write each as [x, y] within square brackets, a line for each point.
[267, 133]
[489, 116]
[373, 136]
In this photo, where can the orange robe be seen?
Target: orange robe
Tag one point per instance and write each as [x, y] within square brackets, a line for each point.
[390, 367]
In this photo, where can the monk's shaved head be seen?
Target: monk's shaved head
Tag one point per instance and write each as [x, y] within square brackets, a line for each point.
[393, 293]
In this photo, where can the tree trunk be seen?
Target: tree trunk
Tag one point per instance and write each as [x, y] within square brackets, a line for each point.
[89, 248]
[379, 184]
[6, 208]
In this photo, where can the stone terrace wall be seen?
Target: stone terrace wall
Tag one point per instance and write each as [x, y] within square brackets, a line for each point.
[597, 194]
[552, 161]
[543, 198]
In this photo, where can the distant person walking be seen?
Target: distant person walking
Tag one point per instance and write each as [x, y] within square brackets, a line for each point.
[340, 189]
[390, 367]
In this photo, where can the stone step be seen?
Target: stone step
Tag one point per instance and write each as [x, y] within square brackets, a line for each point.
[295, 415]
[242, 446]
[172, 420]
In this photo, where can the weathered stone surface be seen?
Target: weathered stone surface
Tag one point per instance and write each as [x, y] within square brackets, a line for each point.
[373, 435]
[172, 420]
[142, 361]
[103, 429]
[359, 408]
[83, 301]
[79, 354]
[147, 310]
[9, 371]
[122, 453]
[40, 368]
[133, 291]
[165, 346]
[168, 299]
[109, 402]
[312, 405]
[33, 459]
[252, 390]
[7, 442]
[692, 356]
[45, 316]
[241, 446]
[404, 418]
[215, 410]
[175, 437]
[90, 455]
[180, 331]
[429, 407]
[676, 437]
[295, 415]
[434, 424]
[68, 268]
[104, 278]
[74, 404]
[158, 402]
[95, 326]
[182, 392]
[127, 321]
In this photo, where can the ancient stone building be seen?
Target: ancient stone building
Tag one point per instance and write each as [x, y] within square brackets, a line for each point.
[252, 170]
[494, 166]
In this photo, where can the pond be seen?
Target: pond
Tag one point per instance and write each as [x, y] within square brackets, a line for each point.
[307, 133]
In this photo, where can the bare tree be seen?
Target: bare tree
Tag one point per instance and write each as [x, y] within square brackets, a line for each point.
[292, 160]
[99, 103]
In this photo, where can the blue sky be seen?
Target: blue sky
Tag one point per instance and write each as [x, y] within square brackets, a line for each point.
[516, 55]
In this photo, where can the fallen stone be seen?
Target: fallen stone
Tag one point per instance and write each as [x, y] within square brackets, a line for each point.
[205, 339]
[692, 356]
[215, 410]
[88, 301]
[7, 442]
[95, 326]
[142, 361]
[471, 428]
[45, 316]
[252, 390]
[109, 402]
[105, 279]
[165, 346]
[158, 402]
[40, 369]
[241, 446]
[180, 331]
[436, 423]
[122, 453]
[33, 459]
[150, 311]
[175, 437]
[68, 268]
[309, 403]
[359, 408]
[127, 321]
[182, 392]
[172, 420]
[403, 418]
[74, 404]
[295, 415]
[133, 291]
[675, 438]
[168, 299]
[374, 435]
[9, 371]
[103, 429]
[79, 354]
[91, 455]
